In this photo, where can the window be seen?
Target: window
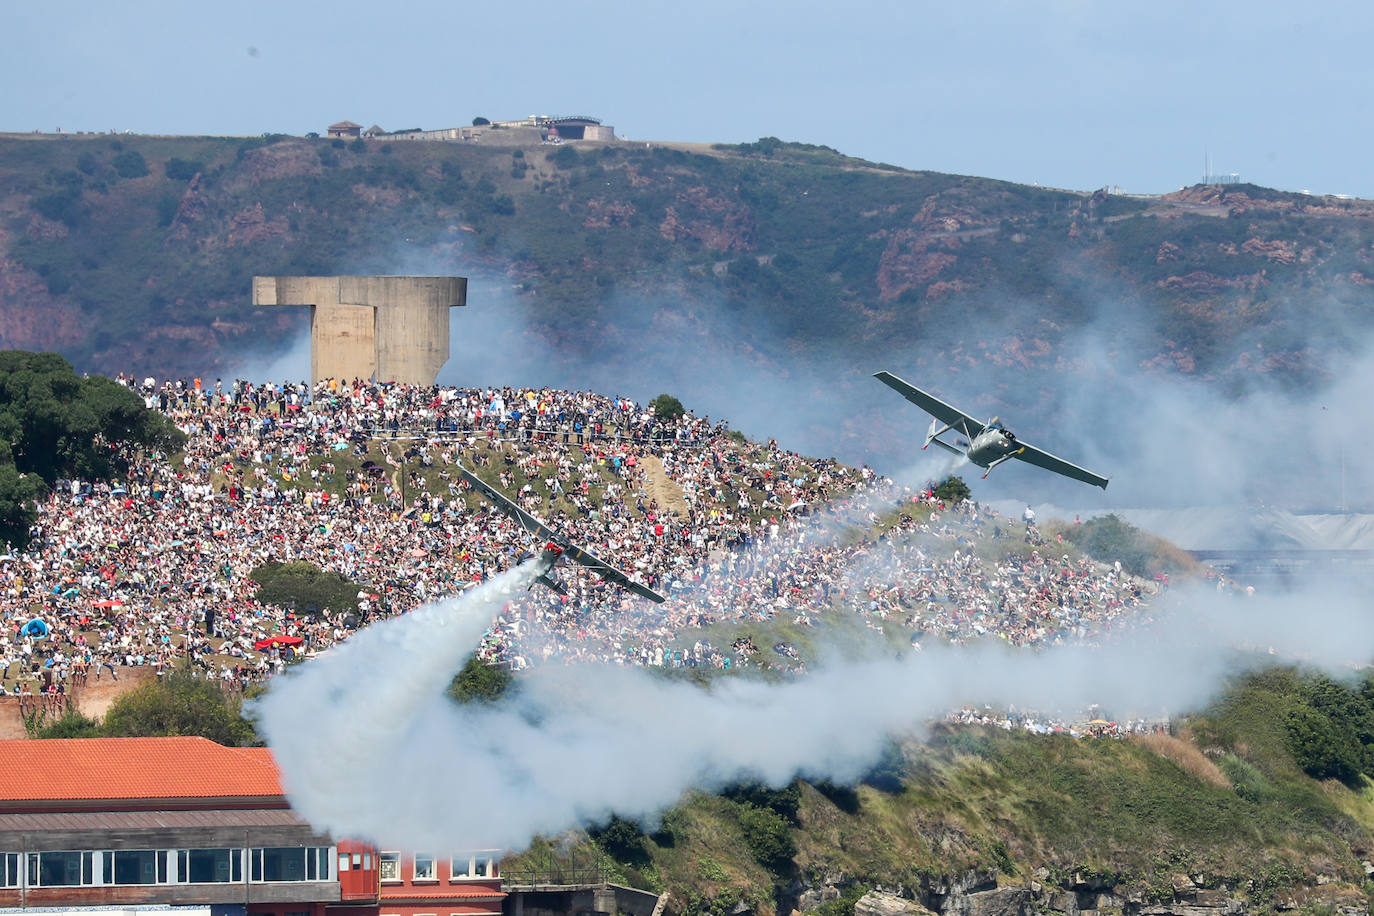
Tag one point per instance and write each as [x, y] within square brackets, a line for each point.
[474, 865]
[9, 869]
[60, 869]
[290, 863]
[209, 866]
[389, 866]
[424, 867]
[135, 866]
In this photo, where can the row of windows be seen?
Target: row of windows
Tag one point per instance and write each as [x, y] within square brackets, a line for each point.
[463, 865]
[164, 866]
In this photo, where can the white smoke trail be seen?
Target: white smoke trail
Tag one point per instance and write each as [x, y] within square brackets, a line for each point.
[369, 747]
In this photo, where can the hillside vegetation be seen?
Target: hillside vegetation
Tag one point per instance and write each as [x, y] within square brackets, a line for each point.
[136, 252]
[1223, 805]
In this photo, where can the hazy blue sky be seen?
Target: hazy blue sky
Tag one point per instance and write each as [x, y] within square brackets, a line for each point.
[1068, 93]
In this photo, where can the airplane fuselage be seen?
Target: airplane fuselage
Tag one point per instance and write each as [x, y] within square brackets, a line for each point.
[990, 445]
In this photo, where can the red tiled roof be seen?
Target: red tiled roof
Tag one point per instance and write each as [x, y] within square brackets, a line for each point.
[98, 769]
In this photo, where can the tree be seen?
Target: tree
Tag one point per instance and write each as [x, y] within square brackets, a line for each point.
[18, 504]
[305, 587]
[622, 840]
[183, 169]
[667, 407]
[480, 121]
[179, 704]
[480, 682]
[565, 158]
[1108, 538]
[130, 164]
[54, 424]
[952, 490]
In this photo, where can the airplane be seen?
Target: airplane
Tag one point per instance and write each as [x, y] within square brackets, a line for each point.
[988, 444]
[556, 545]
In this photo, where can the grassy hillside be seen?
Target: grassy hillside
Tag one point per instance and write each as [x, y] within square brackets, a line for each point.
[129, 247]
[1223, 801]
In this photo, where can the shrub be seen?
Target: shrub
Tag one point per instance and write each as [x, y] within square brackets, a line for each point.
[64, 206]
[305, 587]
[480, 682]
[667, 407]
[183, 169]
[622, 840]
[178, 704]
[952, 490]
[784, 802]
[167, 206]
[768, 837]
[565, 158]
[130, 164]
[72, 724]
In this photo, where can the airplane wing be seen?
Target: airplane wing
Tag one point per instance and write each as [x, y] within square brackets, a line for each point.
[1043, 459]
[607, 571]
[952, 417]
[544, 532]
[531, 524]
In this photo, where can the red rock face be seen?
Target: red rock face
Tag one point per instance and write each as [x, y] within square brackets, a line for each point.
[30, 318]
[911, 259]
[252, 225]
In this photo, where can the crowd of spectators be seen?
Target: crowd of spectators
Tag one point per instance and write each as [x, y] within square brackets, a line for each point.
[359, 479]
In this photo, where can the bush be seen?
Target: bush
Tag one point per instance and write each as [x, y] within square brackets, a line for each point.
[305, 588]
[784, 802]
[480, 682]
[130, 164]
[1108, 538]
[565, 158]
[768, 837]
[667, 407]
[167, 206]
[622, 840]
[480, 122]
[888, 773]
[1320, 748]
[72, 724]
[63, 206]
[183, 169]
[179, 704]
[952, 490]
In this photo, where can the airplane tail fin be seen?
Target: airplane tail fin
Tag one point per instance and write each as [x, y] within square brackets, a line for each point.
[933, 435]
[930, 434]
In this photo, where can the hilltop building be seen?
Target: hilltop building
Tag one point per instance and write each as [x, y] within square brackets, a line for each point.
[344, 130]
[393, 329]
[153, 823]
[530, 130]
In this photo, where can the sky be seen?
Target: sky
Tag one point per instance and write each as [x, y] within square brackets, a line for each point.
[1064, 93]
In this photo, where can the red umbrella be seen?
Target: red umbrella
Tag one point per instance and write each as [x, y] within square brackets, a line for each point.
[277, 641]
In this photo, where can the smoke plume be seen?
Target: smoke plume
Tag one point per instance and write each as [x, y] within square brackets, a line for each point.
[369, 747]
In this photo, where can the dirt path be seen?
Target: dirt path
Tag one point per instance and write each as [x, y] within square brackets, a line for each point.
[93, 699]
[660, 488]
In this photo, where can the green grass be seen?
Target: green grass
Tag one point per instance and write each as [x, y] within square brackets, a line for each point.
[1114, 811]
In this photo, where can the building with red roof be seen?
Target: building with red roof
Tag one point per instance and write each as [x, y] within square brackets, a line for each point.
[186, 823]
